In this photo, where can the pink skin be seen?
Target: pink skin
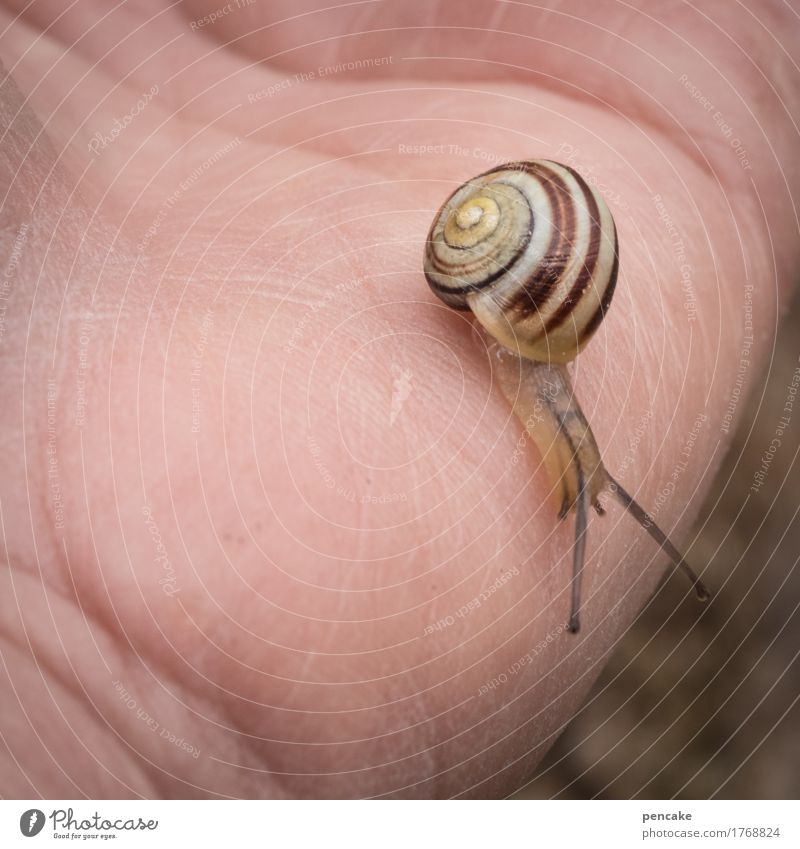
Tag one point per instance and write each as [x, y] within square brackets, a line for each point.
[289, 634]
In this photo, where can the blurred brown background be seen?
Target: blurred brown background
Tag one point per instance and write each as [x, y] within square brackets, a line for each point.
[704, 702]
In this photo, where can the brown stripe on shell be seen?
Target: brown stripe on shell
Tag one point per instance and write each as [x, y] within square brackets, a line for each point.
[456, 290]
[605, 301]
[536, 291]
[589, 260]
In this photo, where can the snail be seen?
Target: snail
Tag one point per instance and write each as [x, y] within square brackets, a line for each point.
[531, 249]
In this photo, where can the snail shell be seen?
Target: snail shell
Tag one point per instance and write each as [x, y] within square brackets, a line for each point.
[532, 250]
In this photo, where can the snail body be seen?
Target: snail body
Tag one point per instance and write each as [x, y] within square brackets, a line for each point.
[532, 251]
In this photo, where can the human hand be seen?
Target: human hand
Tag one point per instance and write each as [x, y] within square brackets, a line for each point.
[252, 467]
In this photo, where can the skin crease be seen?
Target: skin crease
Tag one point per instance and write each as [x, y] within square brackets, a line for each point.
[289, 646]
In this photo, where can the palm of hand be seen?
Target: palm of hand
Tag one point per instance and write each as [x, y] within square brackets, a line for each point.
[301, 548]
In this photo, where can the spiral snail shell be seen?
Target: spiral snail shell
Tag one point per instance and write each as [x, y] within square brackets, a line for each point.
[531, 249]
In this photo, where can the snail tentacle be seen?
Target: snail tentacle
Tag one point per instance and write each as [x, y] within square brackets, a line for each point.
[648, 523]
[579, 552]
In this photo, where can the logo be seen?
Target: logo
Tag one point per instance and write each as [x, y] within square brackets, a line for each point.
[65, 824]
[31, 822]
